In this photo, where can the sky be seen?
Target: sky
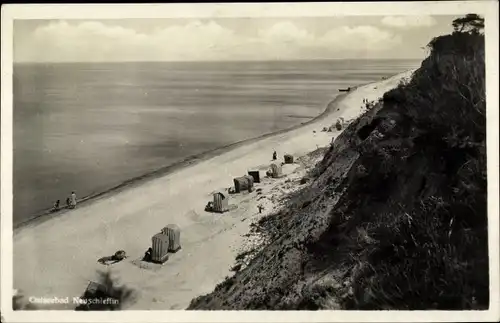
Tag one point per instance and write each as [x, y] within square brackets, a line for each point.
[227, 39]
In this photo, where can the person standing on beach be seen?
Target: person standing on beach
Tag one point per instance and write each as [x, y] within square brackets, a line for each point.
[275, 155]
[72, 200]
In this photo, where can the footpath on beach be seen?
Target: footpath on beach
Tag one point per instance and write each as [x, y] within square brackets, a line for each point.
[58, 257]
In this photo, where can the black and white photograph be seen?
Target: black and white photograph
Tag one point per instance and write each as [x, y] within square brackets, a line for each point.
[259, 157]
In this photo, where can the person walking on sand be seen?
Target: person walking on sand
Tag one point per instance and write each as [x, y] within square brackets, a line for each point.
[72, 201]
[275, 155]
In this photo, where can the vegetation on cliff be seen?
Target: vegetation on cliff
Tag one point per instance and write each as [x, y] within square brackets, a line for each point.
[396, 217]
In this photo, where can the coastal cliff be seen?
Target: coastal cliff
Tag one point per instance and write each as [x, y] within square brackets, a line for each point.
[395, 214]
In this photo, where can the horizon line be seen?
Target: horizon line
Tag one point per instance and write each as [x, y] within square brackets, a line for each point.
[220, 61]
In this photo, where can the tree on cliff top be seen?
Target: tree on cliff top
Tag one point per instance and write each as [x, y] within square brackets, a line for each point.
[471, 23]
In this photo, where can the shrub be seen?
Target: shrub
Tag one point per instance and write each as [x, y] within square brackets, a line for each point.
[19, 303]
[423, 260]
[114, 296]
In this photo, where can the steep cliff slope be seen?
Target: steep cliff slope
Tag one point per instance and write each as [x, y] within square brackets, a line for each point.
[396, 215]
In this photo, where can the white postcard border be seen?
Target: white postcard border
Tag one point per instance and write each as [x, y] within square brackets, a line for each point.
[488, 9]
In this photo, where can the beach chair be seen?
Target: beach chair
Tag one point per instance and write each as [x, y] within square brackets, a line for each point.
[255, 174]
[276, 170]
[241, 184]
[250, 182]
[221, 203]
[174, 237]
[160, 244]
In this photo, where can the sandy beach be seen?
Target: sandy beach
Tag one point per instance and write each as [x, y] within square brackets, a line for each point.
[58, 257]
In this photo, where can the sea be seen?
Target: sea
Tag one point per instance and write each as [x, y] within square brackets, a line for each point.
[87, 127]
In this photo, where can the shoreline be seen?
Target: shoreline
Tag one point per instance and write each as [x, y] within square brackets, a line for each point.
[172, 168]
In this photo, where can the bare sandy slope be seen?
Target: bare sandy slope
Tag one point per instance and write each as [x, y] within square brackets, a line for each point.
[59, 257]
